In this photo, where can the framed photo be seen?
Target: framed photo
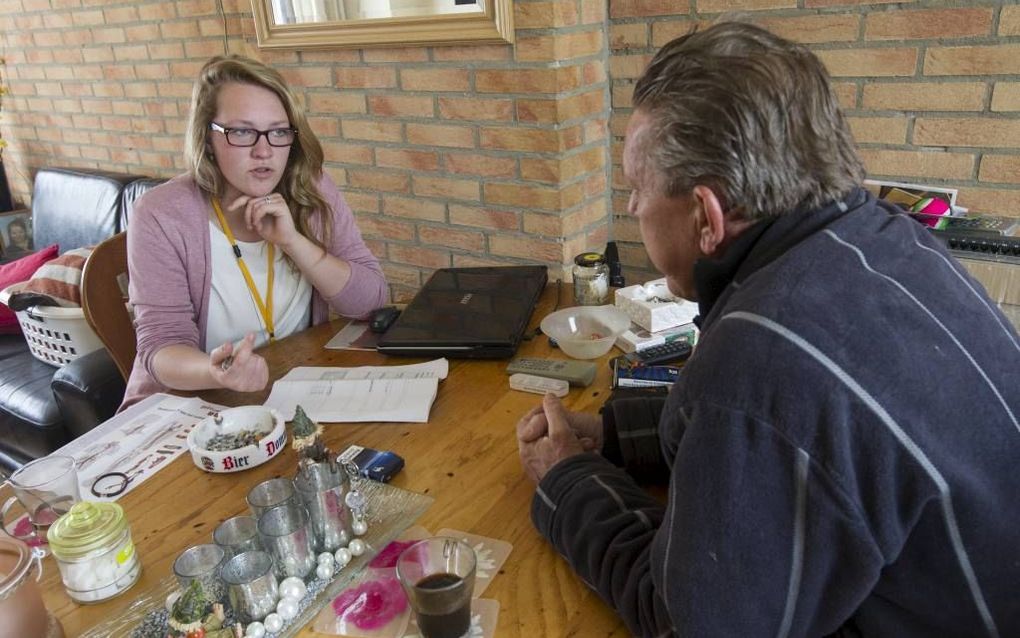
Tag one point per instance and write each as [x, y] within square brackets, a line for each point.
[16, 239]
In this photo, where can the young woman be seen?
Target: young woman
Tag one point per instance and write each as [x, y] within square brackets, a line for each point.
[20, 242]
[253, 243]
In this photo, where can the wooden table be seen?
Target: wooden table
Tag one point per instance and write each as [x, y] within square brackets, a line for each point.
[465, 457]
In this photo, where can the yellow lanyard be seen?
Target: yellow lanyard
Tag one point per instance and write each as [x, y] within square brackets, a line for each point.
[266, 309]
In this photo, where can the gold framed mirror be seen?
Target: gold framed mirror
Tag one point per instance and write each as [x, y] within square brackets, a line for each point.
[325, 24]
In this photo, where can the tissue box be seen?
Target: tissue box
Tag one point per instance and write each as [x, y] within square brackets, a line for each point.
[653, 307]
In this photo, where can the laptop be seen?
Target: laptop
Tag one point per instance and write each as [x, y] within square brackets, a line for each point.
[476, 313]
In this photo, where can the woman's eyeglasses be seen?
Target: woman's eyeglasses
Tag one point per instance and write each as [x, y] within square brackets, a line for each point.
[250, 136]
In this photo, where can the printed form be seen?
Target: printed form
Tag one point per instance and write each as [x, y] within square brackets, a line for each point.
[398, 394]
[137, 442]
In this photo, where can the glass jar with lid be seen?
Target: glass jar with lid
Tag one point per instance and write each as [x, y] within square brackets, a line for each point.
[21, 604]
[591, 279]
[93, 548]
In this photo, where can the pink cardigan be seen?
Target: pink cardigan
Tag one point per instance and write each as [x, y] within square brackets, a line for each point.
[170, 273]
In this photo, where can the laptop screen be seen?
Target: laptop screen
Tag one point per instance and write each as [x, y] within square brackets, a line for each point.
[468, 312]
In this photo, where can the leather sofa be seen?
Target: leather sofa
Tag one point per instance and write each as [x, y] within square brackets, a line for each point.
[43, 407]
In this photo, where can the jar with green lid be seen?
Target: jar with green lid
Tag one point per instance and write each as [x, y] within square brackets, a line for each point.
[591, 279]
[93, 548]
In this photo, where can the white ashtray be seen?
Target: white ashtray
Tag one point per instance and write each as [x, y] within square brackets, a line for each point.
[258, 432]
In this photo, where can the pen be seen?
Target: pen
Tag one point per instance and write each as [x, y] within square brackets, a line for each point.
[229, 361]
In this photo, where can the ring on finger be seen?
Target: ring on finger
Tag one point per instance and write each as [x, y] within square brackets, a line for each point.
[266, 199]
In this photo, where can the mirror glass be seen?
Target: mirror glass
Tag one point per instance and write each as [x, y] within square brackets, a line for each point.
[303, 11]
[312, 24]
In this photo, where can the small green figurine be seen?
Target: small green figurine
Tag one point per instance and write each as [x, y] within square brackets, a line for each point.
[307, 435]
[188, 617]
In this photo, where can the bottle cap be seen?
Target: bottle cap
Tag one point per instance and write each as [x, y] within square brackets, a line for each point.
[589, 260]
[88, 526]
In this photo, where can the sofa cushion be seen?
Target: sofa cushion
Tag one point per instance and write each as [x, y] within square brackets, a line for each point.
[11, 345]
[16, 272]
[75, 208]
[58, 281]
[31, 424]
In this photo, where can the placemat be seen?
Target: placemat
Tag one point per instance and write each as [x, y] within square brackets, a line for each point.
[392, 510]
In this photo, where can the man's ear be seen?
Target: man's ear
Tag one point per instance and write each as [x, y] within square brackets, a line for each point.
[711, 223]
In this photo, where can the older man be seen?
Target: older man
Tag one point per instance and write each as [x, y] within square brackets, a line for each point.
[843, 449]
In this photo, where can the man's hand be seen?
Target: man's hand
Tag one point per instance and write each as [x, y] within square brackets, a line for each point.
[587, 427]
[239, 368]
[545, 437]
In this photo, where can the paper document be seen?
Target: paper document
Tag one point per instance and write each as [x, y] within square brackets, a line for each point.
[138, 442]
[402, 394]
[437, 368]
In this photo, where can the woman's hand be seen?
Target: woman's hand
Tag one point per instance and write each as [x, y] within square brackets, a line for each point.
[239, 368]
[269, 216]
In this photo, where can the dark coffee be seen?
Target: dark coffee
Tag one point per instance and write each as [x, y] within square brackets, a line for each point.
[452, 624]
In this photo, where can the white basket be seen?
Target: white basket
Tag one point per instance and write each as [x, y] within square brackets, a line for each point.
[55, 335]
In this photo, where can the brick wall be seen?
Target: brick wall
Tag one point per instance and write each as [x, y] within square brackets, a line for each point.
[450, 156]
[497, 154]
[931, 88]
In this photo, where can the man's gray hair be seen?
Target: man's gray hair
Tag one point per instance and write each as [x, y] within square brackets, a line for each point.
[750, 115]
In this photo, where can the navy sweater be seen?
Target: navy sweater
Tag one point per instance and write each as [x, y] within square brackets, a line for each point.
[843, 449]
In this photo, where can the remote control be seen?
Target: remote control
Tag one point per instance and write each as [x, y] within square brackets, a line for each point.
[578, 373]
[677, 350]
[539, 385]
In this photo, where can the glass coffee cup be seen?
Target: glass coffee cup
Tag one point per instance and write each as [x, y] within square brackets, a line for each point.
[438, 576]
[46, 488]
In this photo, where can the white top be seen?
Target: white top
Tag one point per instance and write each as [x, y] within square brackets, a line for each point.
[232, 311]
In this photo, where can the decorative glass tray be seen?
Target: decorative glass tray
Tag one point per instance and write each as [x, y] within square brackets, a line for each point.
[391, 511]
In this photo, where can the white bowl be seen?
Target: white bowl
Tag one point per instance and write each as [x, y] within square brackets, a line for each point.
[586, 332]
[268, 424]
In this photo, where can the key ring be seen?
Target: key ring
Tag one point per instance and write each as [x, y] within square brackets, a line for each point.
[116, 487]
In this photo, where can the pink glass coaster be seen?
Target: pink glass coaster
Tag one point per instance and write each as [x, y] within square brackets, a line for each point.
[484, 614]
[372, 606]
[386, 559]
[490, 554]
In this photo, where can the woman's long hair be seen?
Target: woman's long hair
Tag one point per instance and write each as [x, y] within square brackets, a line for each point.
[304, 164]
